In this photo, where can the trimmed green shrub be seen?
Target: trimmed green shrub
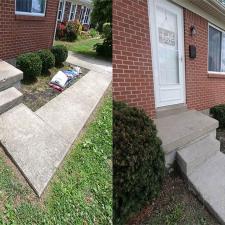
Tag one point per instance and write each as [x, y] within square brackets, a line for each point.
[71, 33]
[138, 161]
[30, 64]
[107, 31]
[105, 49]
[218, 112]
[47, 58]
[61, 53]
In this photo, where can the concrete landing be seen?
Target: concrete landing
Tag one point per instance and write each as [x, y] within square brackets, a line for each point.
[9, 75]
[208, 181]
[69, 112]
[34, 147]
[178, 130]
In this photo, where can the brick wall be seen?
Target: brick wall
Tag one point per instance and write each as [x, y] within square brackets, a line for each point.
[202, 91]
[67, 11]
[132, 66]
[19, 34]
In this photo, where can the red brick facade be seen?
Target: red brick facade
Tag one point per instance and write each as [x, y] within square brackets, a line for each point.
[202, 91]
[19, 34]
[133, 76]
[132, 66]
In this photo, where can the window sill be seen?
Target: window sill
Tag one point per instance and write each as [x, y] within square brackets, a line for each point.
[33, 18]
[216, 75]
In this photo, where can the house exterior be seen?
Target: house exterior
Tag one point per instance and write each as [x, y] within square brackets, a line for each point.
[72, 10]
[26, 25]
[168, 53]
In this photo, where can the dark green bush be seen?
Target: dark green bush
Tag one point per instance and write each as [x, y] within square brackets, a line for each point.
[30, 64]
[105, 49]
[48, 60]
[138, 161]
[71, 33]
[61, 53]
[218, 112]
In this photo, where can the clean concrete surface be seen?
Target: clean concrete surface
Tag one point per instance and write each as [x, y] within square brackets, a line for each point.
[38, 142]
[195, 154]
[191, 138]
[9, 98]
[170, 110]
[92, 64]
[9, 75]
[69, 112]
[208, 181]
[35, 148]
[178, 130]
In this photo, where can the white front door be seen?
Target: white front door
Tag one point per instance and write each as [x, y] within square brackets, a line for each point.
[167, 43]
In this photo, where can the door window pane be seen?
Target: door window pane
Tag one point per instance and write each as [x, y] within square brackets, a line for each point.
[168, 52]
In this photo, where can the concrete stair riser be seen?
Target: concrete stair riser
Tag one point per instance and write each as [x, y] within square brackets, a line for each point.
[9, 76]
[171, 156]
[194, 155]
[9, 98]
[193, 142]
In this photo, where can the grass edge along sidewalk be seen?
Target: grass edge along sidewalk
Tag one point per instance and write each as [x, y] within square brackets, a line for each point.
[80, 193]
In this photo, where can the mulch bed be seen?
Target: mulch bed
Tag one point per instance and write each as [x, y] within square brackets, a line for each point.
[38, 93]
[176, 205]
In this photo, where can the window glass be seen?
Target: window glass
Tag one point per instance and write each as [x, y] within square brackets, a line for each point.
[30, 6]
[60, 13]
[83, 9]
[87, 14]
[215, 46]
[73, 12]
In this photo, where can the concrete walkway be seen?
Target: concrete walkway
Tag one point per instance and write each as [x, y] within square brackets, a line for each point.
[38, 142]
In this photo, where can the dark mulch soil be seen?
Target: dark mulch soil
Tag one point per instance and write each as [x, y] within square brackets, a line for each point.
[176, 205]
[38, 93]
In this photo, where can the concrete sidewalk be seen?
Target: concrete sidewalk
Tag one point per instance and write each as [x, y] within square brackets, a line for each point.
[38, 142]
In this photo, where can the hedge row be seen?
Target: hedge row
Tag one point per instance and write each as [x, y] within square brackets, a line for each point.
[35, 63]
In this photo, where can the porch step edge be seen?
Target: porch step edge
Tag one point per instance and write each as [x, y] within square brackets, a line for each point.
[194, 155]
[9, 98]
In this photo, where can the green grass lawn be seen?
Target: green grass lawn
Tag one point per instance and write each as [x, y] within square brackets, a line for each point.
[82, 46]
[81, 191]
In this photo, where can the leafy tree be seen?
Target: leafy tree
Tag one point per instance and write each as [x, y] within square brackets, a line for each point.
[102, 13]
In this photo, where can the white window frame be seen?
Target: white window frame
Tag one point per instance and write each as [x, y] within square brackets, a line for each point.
[30, 13]
[85, 15]
[223, 32]
[63, 11]
[82, 12]
[75, 11]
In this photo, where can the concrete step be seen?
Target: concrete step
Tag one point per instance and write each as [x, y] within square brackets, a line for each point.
[177, 131]
[208, 181]
[9, 76]
[170, 110]
[9, 98]
[194, 155]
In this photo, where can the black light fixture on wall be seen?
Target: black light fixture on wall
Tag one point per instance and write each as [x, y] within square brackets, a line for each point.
[193, 30]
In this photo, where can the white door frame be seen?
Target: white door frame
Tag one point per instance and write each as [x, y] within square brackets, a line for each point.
[154, 50]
